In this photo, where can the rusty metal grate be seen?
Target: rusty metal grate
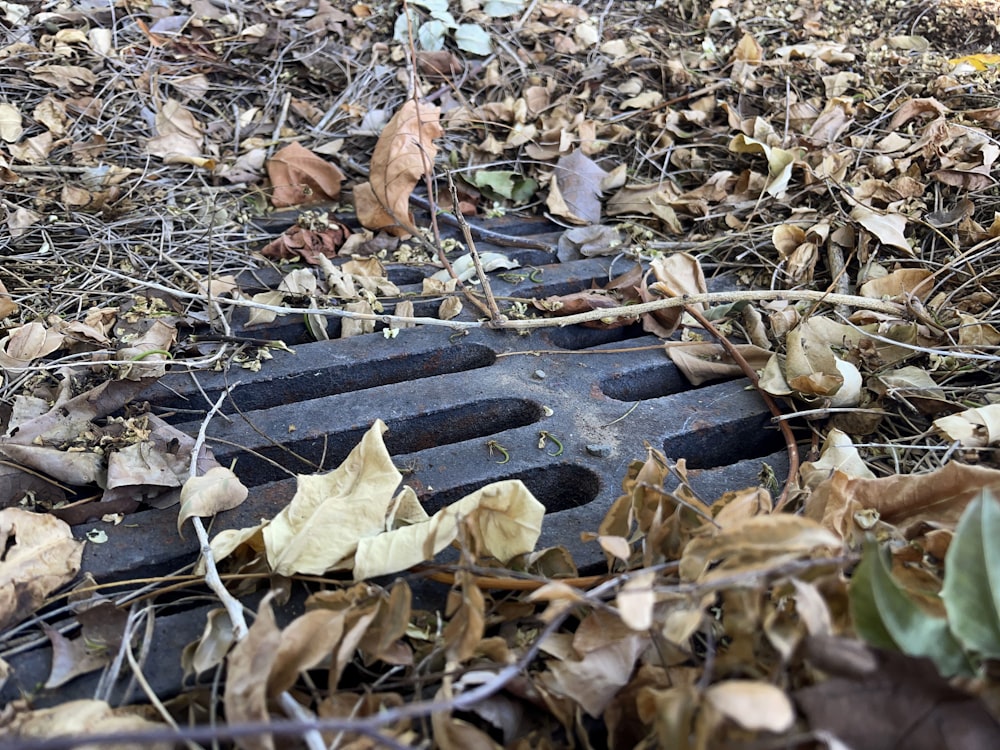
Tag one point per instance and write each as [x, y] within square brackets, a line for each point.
[445, 399]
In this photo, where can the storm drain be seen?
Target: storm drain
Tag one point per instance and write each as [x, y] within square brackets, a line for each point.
[562, 409]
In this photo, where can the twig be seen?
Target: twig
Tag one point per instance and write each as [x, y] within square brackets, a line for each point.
[496, 318]
[772, 405]
[634, 311]
[312, 737]
[232, 605]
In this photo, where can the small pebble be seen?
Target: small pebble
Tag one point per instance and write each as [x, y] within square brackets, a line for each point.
[600, 450]
[538, 374]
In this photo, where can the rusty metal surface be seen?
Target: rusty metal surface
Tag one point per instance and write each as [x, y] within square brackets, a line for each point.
[445, 398]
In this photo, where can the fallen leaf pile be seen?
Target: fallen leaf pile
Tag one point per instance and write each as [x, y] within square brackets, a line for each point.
[838, 163]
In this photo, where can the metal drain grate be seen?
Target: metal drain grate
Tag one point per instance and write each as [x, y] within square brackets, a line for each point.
[444, 399]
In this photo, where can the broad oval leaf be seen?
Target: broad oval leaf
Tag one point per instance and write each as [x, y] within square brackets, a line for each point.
[972, 577]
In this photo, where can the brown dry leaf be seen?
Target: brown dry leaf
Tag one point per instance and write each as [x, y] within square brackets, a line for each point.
[575, 190]
[40, 555]
[757, 543]
[72, 658]
[467, 622]
[11, 123]
[299, 176]
[636, 599]
[504, 515]
[147, 355]
[211, 648]
[906, 501]
[889, 228]
[449, 308]
[74, 719]
[593, 676]
[703, 363]
[179, 134]
[915, 108]
[305, 643]
[308, 244]
[676, 275]
[248, 665]
[404, 153]
[899, 283]
[65, 77]
[7, 305]
[216, 490]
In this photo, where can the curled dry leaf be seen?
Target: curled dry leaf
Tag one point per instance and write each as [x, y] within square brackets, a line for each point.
[216, 490]
[308, 244]
[26, 344]
[40, 555]
[346, 519]
[404, 153]
[299, 176]
[975, 428]
[911, 502]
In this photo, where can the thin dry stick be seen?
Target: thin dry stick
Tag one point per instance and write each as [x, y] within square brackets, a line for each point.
[233, 607]
[496, 318]
[313, 738]
[772, 405]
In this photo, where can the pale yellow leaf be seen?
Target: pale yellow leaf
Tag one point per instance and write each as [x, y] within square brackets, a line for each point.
[753, 705]
[320, 529]
[10, 123]
[506, 515]
[635, 600]
[216, 490]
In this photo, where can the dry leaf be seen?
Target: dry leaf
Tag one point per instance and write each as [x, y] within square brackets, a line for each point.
[248, 666]
[40, 555]
[404, 153]
[216, 490]
[575, 190]
[299, 176]
[752, 704]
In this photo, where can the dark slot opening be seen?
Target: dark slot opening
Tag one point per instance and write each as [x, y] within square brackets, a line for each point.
[558, 487]
[343, 377]
[642, 382]
[726, 444]
[579, 337]
[407, 435]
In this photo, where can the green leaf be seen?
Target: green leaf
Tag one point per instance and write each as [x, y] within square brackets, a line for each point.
[972, 577]
[506, 183]
[913, 629]
[502, 8]
[473, 39]
[864, 609]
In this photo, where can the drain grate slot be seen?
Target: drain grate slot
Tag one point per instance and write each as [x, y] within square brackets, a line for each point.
[559, 487]
[455, 424]
[345, 376]
[645, 382]
[726, 444]
[579, 338]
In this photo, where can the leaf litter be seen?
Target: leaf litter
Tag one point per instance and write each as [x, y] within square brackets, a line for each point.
[841, 158]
